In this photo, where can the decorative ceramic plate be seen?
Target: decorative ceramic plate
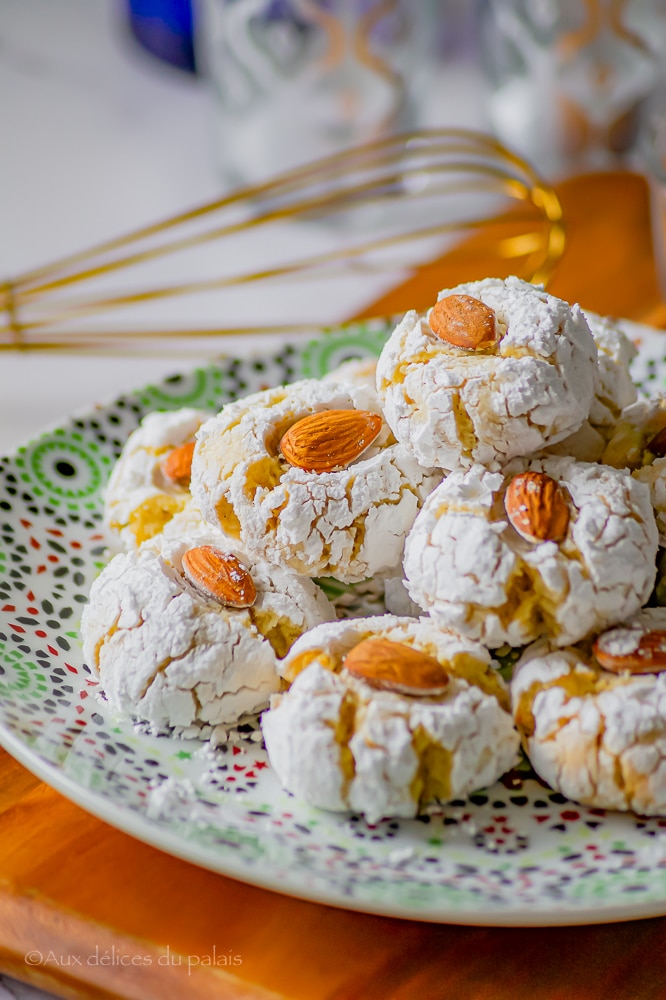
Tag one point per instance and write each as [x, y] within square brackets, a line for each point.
[516, 853]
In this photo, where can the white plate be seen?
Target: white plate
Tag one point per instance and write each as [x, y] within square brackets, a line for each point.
[514, 854]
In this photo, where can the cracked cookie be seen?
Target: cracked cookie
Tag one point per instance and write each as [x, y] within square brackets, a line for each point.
[551, 547]
[150, 481]
[614, 391]
[309, 476]
[593, 719]
[387, 714]
[185, 630]
[498, 369]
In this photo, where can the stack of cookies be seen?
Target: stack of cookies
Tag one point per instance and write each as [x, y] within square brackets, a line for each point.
[496, 476]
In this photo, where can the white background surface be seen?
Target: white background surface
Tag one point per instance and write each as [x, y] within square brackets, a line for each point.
[96, 139]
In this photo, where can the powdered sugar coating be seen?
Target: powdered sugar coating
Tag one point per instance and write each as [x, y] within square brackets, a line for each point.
[350, 524]
[473, 572]
[453, 408]
[596, 737]
[615, 388]
[628, 448]
[340, 744]
[167, 655]
[139, 499]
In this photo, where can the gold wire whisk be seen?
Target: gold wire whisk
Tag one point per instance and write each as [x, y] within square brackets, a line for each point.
[44, 307]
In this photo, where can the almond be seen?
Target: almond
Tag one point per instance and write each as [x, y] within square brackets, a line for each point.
[464, 321]
[536, 507]
[177, 466]
[219, 575]
[392, 666]
[648, 657]
[330, 440]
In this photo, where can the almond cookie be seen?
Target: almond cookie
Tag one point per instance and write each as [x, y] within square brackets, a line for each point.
[498, 369]
[151, 479]
[594, 726]
[614, 391]
[185, 631]
[638, 443]
[387, 714]
[309, 476]
[550, 547]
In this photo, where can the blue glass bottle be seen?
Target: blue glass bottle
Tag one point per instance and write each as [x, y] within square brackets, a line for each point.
[164, 28]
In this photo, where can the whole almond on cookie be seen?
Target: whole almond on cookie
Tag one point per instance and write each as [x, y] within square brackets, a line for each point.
[330, 440]
[648, 655]
[536, 507]
[393, 666]
[463, 321]
[177, 466]
[219, 576]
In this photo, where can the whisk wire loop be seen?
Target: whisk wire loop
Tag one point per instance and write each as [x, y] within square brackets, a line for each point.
[436, 176]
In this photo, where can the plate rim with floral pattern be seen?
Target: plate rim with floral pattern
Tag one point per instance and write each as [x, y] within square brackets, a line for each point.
[517, 854]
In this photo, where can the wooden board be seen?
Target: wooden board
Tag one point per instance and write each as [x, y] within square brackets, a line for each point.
[95, 900]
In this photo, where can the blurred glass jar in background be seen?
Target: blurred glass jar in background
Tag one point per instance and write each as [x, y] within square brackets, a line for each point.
[569, 78]
[295, 80]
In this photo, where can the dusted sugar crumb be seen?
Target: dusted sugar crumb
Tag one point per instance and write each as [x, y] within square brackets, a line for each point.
[468, 566]
[141, 497]
[595, 736]
[338, 742]
[453, 407]
[349, 523]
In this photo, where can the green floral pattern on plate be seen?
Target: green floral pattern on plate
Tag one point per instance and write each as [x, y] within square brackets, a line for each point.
[515, 853]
